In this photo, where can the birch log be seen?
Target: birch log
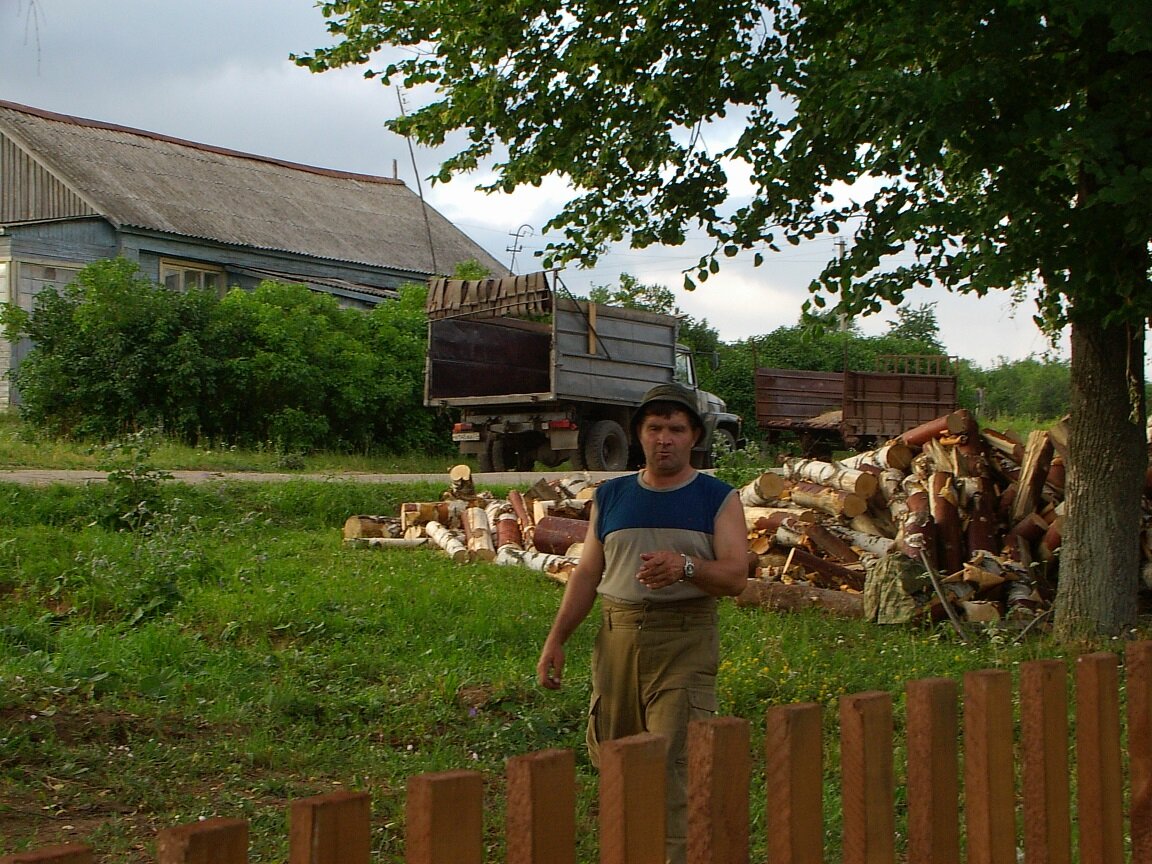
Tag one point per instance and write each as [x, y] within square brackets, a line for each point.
[916, 535]
[448, 541]
[478, 532]
[836, 502]
[557, 566]
[764, 490]
[831, 474]
[895, 454]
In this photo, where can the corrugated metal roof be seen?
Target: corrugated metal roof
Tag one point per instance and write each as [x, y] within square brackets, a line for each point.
[142, 180]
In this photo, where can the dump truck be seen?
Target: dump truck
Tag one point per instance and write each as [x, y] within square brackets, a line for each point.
[854, 410]
[532, 376]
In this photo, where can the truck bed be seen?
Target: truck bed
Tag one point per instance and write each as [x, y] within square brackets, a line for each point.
[587, 352]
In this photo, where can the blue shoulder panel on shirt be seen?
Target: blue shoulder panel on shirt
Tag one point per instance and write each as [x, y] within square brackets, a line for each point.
[624, 503]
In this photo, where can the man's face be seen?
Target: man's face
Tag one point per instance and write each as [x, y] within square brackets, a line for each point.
[667, 442]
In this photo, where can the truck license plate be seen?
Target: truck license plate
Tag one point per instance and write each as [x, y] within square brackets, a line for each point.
[465, 436]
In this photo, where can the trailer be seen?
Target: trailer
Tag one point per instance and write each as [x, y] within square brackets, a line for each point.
[854, 410]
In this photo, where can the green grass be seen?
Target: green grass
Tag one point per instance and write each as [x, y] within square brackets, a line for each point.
[22, 447]
[232, 654]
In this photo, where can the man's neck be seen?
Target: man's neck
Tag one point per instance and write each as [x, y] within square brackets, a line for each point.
[667, 481]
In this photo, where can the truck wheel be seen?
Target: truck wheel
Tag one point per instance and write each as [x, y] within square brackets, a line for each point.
[723, 441]
[606, 447]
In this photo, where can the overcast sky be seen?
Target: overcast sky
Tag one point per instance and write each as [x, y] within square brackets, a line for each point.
[217, 72]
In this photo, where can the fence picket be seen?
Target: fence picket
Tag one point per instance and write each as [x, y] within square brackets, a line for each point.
[867, 781]
[1044, 761]
[1099, 789]
[989, 782]
[1138, 665]
[719, 774]
[541, 817]
[933, 771]
[794, 783]
[211, 841]
[330, 829]
[444, 818]
[632, 784]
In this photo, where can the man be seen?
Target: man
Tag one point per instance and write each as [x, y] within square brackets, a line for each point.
[662, 545]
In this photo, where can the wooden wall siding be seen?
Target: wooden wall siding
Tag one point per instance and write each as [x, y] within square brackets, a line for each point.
[965, 800]
[29, 192]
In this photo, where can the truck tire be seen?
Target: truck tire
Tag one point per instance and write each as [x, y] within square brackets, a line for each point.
[723, 441]
[606, 447]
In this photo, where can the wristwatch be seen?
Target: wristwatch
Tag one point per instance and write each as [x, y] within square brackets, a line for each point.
[689, 569]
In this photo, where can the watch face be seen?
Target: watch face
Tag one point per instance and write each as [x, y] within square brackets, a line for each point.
[689, 567]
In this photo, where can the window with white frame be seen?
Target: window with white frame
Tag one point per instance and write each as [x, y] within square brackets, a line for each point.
[185, 276]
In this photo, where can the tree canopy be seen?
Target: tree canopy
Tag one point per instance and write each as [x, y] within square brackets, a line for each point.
[973, 146]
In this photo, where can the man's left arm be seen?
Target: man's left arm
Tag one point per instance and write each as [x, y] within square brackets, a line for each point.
[727, 574]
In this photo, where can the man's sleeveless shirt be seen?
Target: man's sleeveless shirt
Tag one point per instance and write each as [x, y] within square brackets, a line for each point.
[632, 518]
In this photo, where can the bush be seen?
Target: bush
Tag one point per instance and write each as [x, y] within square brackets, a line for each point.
[281, 366]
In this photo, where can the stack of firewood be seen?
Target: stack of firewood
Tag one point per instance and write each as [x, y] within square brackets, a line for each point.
[541, 528]
[947, 521]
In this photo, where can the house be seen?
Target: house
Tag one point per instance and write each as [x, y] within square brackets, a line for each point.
[74, 191]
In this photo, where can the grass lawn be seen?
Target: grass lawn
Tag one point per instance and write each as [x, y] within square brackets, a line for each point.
[230, 654]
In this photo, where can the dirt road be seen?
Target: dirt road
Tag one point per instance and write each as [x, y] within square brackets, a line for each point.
[46, 477]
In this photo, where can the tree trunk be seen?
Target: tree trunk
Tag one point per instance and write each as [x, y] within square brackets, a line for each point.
[1099, 556]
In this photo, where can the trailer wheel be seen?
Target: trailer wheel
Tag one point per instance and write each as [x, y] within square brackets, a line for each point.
[606, 447]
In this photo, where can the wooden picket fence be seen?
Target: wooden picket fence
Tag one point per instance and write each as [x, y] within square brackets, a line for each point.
[984, 810]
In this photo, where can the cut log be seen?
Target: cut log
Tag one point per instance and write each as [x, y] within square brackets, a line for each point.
[917, 532]
[978, 500]
[919, 435]
[873, 544]
[1050, 544]
[460, 483]
[782, 597]
[753, 515]
[836, 502]
[371, 526]
[831, 474]
[523, 515]
[826, 574]
[447, 540]
[448, 513]
[764, 490]
[831, 545]
[1033, 474]
[895, 454]
[507, 530]
[1004, 444]
[555, 534]
[946, 517]
[556, 566]
[478, 533]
